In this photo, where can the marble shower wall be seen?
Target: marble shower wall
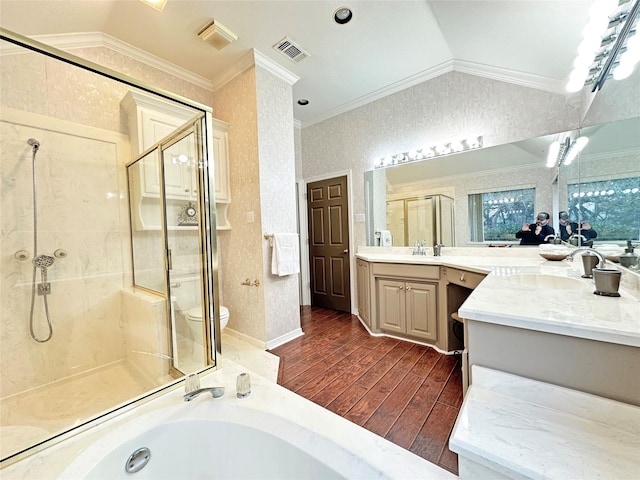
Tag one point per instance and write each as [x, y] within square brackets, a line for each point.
[82, 209]
[81, 178]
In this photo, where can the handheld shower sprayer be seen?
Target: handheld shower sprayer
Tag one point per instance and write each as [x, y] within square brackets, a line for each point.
[43, 261]
[34, 143]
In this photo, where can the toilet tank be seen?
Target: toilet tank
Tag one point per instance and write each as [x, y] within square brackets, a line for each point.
[187, 291]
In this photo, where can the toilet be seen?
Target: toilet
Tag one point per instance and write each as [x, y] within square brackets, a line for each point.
[194, 319]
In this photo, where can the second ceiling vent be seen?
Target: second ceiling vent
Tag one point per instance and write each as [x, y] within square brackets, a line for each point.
[290, 50]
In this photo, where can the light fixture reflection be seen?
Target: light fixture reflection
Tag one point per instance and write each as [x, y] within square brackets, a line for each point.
[430, 152]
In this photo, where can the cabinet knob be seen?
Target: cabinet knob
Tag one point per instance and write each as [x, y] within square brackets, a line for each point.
[186, 189]
[462, 277]
[408, 287]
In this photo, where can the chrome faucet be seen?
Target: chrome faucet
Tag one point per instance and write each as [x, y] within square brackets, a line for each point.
[419, 248]
[216, 392]
[579, 238]
[601, 261]
[192, 388]
[555, 238]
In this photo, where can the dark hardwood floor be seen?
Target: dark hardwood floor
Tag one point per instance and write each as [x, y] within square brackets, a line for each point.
[410, 394]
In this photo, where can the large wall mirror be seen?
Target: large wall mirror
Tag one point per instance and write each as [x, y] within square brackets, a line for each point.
[496, 189]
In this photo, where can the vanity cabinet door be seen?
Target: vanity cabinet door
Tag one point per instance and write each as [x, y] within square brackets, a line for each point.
[364, 306]
[421, 311]
[391, 305]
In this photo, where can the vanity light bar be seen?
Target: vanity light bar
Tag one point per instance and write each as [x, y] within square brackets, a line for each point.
[564, 152]
[609, 34]
[433, 151]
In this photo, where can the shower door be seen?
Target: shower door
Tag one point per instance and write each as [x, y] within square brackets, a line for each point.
[167, 241]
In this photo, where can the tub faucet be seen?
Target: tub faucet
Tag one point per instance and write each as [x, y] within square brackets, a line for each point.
[192, 388]
[216, 392]
[601, 261]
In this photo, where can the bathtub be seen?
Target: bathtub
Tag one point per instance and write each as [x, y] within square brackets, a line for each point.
[273, 433]
[216, 440]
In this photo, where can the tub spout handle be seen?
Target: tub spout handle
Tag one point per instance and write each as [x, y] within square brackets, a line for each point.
[216, 392]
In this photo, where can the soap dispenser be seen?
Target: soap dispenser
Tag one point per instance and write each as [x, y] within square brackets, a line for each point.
[628, 258]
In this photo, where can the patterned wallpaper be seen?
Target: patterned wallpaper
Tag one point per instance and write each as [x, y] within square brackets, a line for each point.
[452, 105]
[241, 247]
[277, 197]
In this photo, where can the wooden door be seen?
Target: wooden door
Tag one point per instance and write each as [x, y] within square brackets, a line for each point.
[327, 207]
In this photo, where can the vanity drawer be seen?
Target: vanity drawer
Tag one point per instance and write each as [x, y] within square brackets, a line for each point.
[463, 277]
[425, 272]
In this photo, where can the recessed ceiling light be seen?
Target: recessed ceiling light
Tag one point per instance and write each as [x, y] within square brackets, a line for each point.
[157, 4]
[343, 15]
[303, 102]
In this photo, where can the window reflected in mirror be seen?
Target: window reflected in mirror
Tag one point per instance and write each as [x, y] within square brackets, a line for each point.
[611, 207]
[497, 216]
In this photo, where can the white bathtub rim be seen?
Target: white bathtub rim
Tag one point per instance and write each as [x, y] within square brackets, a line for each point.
[319, 447]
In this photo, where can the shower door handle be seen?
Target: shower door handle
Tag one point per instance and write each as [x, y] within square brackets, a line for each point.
[169, 259]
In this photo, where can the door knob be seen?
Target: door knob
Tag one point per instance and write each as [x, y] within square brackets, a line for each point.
[345, 251]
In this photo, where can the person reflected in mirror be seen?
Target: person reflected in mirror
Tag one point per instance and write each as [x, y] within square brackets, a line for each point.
[535, 233]
[567, 227]
[587, 232]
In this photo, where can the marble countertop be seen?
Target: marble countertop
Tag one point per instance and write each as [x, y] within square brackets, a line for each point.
[523, 428]
[518, 292]
[386, 458]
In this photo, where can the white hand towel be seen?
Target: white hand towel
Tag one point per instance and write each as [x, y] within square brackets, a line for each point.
[385, 238]
[285, 258]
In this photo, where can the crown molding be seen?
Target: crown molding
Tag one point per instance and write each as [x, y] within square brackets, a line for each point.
[251, 58]
[479, 70]
[383, 92]
[74, 41]
[276, 69]
[510, 76]
[245, 62]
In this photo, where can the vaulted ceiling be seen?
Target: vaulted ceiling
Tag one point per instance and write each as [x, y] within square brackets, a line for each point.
[389, 44]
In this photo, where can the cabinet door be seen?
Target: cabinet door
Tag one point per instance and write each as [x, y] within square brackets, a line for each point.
[221, 161]
[421, 300]
[178, 173]
[391, 311]
[362, 275]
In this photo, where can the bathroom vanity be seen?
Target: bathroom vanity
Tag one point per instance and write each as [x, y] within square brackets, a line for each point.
[412, 297]
[523, 314]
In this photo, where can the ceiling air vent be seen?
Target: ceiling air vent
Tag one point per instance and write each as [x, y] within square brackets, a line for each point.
[290, 50]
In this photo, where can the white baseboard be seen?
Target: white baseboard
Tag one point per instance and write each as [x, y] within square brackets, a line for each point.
[245, 338]
[287, 337]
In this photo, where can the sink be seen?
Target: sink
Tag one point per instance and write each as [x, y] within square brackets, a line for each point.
[550, 282]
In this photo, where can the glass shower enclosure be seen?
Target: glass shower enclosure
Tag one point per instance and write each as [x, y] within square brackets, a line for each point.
[99, 272]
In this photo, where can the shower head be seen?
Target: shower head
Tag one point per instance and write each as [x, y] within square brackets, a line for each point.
[43, 261]
[34, 143]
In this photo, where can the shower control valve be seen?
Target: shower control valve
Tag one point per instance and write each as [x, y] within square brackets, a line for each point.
[22, 255]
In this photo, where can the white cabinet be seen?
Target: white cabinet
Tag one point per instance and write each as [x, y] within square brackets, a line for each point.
[221, 160]
[150, 120]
